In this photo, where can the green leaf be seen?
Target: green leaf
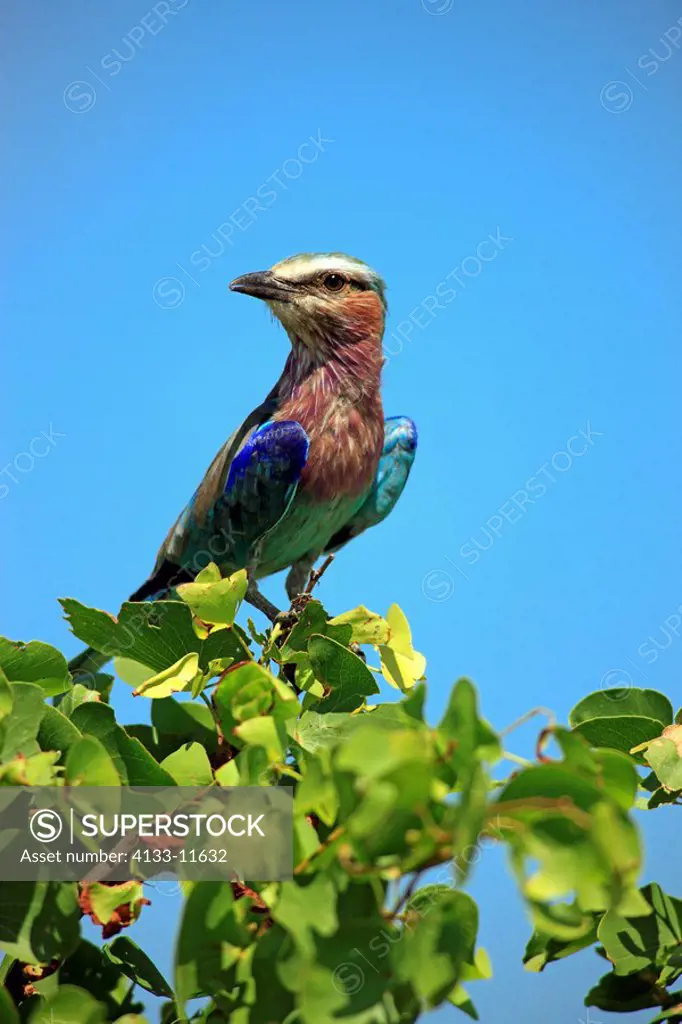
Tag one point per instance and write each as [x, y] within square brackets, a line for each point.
[437, 945]
[21, 725]
[272, 1001]
[578, 840]
[8, 1011]
[154, 633]
[672, 1015]
[215, 602]
[640, 943]
[90, 968]
[89, 764]
[135, 963]
[617, 994]
[469, 820]
[38, 920]
[171, 680]
[540, 784]
[313, 730]
[189, 766]
[621, 718]
[467, 735]
[316, 793]
[81, 694]
[132, 673]
[134, 764]
[543, 949]
[69, 1005]
[392, 811]
[401, 665]
[424, 899]
[35, 662]
[249, 690]
[186, 719]
[228, 774]
[313, 619]
[6, 699]
[319, 990]
[267, 732]
[618, 776]
[307, 909]
[617, 702]
[345, 677]
[374, 751]
[459, 997]
[380, 795]
[212, 936]
[56, 732]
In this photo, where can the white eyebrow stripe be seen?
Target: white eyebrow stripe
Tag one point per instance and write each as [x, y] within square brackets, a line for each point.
[296, 270]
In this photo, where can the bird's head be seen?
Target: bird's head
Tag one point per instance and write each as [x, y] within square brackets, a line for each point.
[321, 298]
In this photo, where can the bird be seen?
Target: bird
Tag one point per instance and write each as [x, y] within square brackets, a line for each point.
[316, 463]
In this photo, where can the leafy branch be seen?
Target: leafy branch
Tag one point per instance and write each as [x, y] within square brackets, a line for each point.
[391, 815]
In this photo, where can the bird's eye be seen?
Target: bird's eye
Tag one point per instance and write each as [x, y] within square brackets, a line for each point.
[334, 282]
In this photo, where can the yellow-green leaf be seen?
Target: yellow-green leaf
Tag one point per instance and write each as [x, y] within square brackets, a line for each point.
[189, 765]
[209, 574]
[38, 770]
[401, 665]
[249, 691]
[106, 900]
[228, 774]
[215, 602]
[367, 626]
[265, 732]
[171, 680]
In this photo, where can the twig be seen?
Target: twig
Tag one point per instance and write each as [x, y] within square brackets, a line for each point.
[407, 895]
[100, 871]
[551, 717]
[317, 574]
[516, 759]
[331, 838]
[209, 704]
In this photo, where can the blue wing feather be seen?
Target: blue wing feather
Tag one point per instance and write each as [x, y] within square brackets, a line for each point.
[257, 479]
[261, 484]
[277, 452]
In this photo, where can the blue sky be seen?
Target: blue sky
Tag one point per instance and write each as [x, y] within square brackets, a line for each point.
[406, 133]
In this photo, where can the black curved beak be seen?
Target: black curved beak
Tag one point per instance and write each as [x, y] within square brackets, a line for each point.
[263, 285]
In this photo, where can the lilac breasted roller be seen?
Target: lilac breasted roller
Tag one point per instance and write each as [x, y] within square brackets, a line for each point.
[316, 463]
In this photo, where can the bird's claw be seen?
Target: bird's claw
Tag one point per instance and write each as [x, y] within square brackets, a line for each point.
[300, 601]
[286, 620]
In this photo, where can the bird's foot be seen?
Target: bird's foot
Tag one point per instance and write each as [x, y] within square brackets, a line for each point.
[286, 620]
